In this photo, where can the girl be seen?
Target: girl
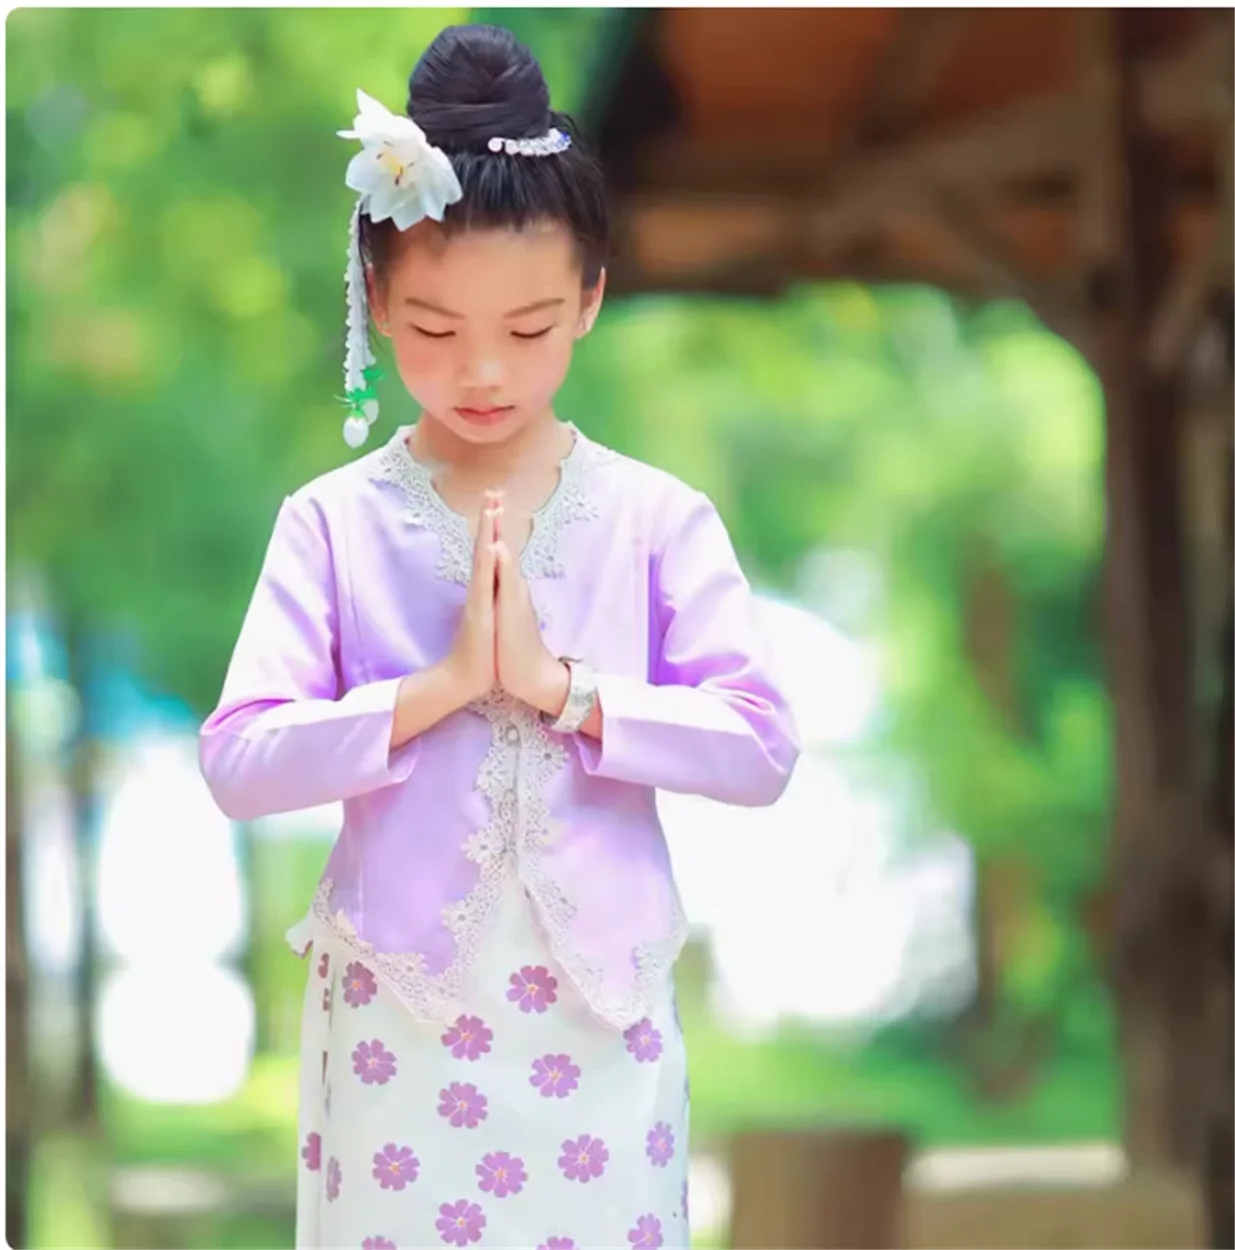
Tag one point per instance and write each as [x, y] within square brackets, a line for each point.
[492, 640]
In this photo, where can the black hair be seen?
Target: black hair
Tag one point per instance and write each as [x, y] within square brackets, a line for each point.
[474, 83]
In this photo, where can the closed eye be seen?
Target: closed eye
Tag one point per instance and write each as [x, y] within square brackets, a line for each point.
[429, 334]
[538, 334]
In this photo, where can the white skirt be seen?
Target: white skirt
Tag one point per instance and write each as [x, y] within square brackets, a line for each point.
[526, 1125]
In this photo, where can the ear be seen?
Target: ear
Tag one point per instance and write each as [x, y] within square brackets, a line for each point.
[379, 311]
[592, 300]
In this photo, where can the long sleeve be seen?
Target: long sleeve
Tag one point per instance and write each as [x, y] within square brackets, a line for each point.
[712, 722]
[282, 738]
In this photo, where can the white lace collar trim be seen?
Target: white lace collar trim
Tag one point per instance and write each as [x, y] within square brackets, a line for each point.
[570, 501]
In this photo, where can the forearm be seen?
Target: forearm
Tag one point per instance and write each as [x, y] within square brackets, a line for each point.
[424, 699]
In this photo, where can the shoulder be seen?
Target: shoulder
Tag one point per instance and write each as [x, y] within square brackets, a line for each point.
[664, 502]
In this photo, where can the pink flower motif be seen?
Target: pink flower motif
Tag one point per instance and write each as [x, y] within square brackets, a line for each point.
[377, 1243]
[373, 1063]
[464, 1105]
[460, 1222]
[326, 999]
[558, 1243]
[334, 1178]
[660, 1145]
[359, 985]
[555, 1076]
[395, 1167]
[533, 989]
[468, 1038]
[500, 1174]
[646, 1234]
[323, 967]
[312, 1152]
[583, 1159]
[643, 1041]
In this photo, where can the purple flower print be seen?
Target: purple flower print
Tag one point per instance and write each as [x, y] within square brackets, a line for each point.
[555, 1076]
[533, 989]
[646, 1234]
[373, 1063]
[558, 1243]
[460, 1222]
[359, 985]
[312, 1152]
[501, 1175]
[464, 1105]
[323, 967]
[468, 1038]
[685, 1200]
[395, 1167]
[377, 1243]
[643, 1041]
[334, 1178]
[660, 1145]
[583, 1159]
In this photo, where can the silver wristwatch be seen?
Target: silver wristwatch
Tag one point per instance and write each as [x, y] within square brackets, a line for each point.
[580, 699]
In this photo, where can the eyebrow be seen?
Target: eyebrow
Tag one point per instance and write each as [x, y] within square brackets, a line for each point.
[538, 306]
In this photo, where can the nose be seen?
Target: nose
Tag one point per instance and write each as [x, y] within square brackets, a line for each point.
[487, 371]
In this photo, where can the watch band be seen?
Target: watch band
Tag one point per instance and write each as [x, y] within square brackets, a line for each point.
[580, 698]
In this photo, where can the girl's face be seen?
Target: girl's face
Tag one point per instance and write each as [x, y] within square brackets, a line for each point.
[483, 323]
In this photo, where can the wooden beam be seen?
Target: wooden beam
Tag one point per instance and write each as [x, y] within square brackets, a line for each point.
[903, 76]
[1184, 306]
[1024, 140]
[969, 223]
[1199, 276]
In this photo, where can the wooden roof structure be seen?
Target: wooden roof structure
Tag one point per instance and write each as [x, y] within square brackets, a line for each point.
[748, 149]
[1079, 160]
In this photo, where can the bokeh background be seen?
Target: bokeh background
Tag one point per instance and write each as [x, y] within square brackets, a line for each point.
[959, 379]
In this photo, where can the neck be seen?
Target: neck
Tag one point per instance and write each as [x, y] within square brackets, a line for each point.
[436, 444]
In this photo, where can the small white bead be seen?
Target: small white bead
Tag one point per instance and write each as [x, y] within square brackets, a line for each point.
[370, 407]
[355, 431]
[495, 145]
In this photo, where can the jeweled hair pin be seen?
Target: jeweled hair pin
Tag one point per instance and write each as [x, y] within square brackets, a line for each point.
[549, 144]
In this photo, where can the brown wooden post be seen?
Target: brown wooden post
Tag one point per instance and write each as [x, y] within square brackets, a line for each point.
[816, 1189]
[1220, 1123]
[1157, 857]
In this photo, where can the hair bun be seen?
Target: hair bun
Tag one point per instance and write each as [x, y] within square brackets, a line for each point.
[474, 82]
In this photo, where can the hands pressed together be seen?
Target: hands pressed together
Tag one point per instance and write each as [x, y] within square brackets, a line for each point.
[499, 642]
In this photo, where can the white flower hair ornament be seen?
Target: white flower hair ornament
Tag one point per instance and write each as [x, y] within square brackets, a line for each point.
[399, 176]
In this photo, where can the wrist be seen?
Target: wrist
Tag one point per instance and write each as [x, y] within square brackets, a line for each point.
[549, 691]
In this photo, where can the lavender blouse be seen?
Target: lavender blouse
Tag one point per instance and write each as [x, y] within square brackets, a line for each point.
[363, 582]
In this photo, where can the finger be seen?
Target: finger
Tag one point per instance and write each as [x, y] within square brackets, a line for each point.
[485, 558]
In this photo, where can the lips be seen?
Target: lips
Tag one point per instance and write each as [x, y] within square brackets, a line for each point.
[483, 416]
